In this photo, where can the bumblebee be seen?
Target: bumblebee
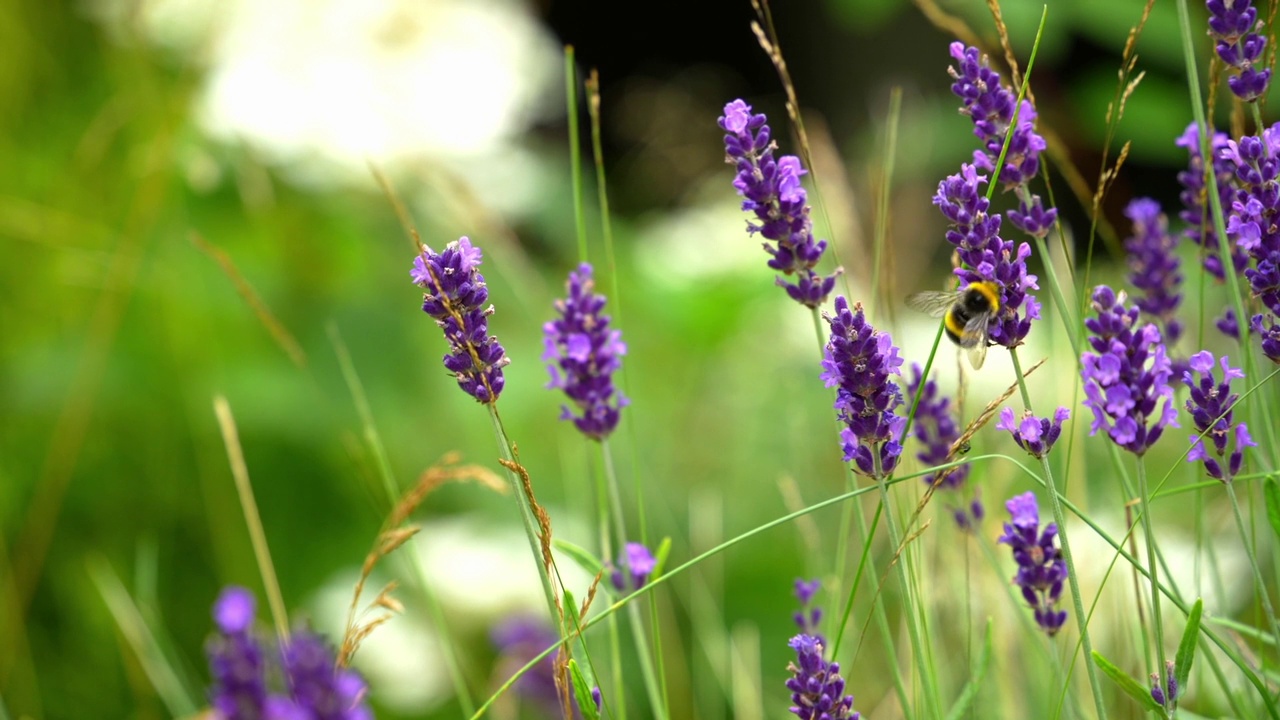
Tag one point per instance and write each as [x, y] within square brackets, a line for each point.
[966, 315]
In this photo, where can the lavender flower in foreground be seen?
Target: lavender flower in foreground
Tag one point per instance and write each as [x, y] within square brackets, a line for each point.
[320, 689]
[455, 296]
[239, 690]
[1033, 434]
[990, 104]
[1254, 219]
[936, 429]
[1153, 267]
[1041, 569]
[771, 189]
[817, 690]
[1210, 405]
[1126, 376]
[1195, 211]
[986, 256]
[1232, 24]
[635, 565]
[858, 361]
[580, 345]
[1270, 333]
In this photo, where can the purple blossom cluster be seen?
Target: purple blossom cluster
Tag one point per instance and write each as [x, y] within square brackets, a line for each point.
[1041, 569]
[986, 256]
[1232, 24]
[1168, 695]
[1033, 434]
[584, 353]
[455, 296]
[936, 429]
[1211, 406]
[1195, 211]
[317, 688]
[809, 615]
[1254, 222]
[772, 191]
[1154, 269]
[1126, 375]
[991, 105]
[635, 565]
[858, 361]
[817, 689]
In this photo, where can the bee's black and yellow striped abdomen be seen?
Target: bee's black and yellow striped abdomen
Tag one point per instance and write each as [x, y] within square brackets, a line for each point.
[980, 298]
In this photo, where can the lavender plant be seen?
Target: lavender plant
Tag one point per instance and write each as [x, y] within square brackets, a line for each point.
[936, 430]
[817, 689]
[584, 353]
[1233, 25]
[1154, 269]
[1041, 569]
[455, 297]
[1033, 434]
[635, 565]
[1212, 409]
[1195, 210]
[772, 191]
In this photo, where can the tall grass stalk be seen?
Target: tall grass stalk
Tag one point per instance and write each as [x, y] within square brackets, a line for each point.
[1058, 517]
[1261, 586]
[1150, 541]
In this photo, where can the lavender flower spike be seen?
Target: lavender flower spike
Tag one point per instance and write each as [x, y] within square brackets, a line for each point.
[1195, 212]
[239, 690]
[1033, 434]
[455, 296]
[817, 689]
[809, 615]
[858, 362]
[1270, 333]
[1041, 569]
[1153, 267]
[634, 567]
[772, 191]
[987, 257]
[1126, 375]
[1210, 406]
[584, 354]
[1232, 24]
[320, 689]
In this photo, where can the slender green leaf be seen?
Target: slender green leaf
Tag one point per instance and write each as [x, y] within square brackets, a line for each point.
[582, 692]
[580, 555]
[660, 558]
[1139, 692]
[1187, 648]
[1248, 631]
[1272, 492]
[974, 684]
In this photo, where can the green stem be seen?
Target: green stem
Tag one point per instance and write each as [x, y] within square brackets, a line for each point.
[927, 678]
[1156, 614]
[526, 515]
[1059, 518]
[1253, 563]
[655, 689]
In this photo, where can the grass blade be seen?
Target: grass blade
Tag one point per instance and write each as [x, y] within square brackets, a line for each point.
[1187, 647]
[1131, 687]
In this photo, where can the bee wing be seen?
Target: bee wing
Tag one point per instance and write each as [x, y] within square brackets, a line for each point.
[932, 303]
[975, 338]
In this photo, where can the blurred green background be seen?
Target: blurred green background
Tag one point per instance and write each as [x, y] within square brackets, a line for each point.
[130, 132]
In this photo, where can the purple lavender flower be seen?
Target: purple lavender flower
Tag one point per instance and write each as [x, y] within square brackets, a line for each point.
[936, 429]
[1267, 328]
[986, 256]
[858, 362]
[1195, 212]
[990, 104]
[817, 690]
[580, 345]
[320, 689]
[518, 640]
[1167, 696]
[772, 191]
[1254, 219]
[809, 615]
[1232, 24]
[1153, 267]
[1126, 376]
[1210, 405]
[1033, 434]
[1041, 569]
[455, 295]
[635, 564]
[239, 690]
